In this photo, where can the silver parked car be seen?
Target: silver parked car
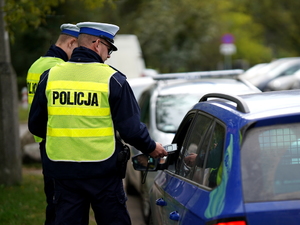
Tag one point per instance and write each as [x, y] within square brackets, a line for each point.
[288, 82]
[163, 106]
[277, 68]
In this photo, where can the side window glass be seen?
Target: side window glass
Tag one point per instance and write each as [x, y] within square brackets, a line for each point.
[290, 71]
[193, 137]
[208, 166]
[179, 138]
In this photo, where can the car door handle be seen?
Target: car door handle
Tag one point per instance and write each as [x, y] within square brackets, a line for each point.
[174, 216]
[161, 202]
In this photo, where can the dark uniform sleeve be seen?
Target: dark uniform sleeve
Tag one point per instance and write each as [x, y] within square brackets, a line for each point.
[37, 121]
[126, 115]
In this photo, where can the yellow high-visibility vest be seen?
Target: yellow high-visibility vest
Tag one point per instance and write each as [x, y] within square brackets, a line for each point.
[80, 127]
[33, 77]
[36, 70]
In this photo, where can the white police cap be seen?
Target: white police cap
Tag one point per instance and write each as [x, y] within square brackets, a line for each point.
[103, 30]
[70, 29]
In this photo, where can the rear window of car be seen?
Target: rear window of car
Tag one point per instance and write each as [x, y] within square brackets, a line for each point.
[270, 159]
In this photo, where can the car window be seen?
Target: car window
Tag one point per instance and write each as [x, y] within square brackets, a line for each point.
[170, 110]
[270, 159]
[180, 137]
[208, 167]
[193, 138]
[290, 71]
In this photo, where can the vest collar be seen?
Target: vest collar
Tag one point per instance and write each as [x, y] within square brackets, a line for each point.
[57, 52]
[83, 54]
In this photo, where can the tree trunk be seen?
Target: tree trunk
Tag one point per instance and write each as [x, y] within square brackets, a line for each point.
[10, 150]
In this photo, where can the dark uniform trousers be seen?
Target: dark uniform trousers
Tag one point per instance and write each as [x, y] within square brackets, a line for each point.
[106, 196]
[49, 192]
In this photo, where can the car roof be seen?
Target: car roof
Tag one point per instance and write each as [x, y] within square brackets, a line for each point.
[262, 105]
[204, 86]
[138, 85]
[272, 101]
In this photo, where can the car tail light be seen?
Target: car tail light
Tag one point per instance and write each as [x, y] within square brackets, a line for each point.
[231, 223]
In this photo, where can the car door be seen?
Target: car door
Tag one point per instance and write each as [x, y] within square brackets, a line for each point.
[159, 209]
[193, 172]
[205, 175]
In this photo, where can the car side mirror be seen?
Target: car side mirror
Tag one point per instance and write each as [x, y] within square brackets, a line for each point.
[143, 162]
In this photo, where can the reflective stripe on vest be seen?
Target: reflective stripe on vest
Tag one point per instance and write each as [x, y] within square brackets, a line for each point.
[33, 77]
[80, 127]
[36, 70]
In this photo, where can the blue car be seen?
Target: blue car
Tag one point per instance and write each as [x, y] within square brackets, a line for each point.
[237, 163]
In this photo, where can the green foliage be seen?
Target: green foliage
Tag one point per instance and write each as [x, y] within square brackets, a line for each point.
[172, 38]
[247, 33]
[280, 20]
[21, 14]
[181, 35]
[25, 14]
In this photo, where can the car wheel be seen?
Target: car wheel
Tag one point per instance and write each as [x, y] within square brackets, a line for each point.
[145, 202]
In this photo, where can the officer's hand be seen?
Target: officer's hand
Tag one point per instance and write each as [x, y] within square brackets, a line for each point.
[159, 151]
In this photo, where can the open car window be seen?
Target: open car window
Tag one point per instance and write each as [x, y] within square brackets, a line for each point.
[200, 157]
[207, 170]
[192, 138]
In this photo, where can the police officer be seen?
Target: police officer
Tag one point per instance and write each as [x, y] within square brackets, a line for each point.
[78, 108]
[58, 53]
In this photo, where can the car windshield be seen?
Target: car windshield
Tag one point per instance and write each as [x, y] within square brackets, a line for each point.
[271, 163]
[170, 110]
